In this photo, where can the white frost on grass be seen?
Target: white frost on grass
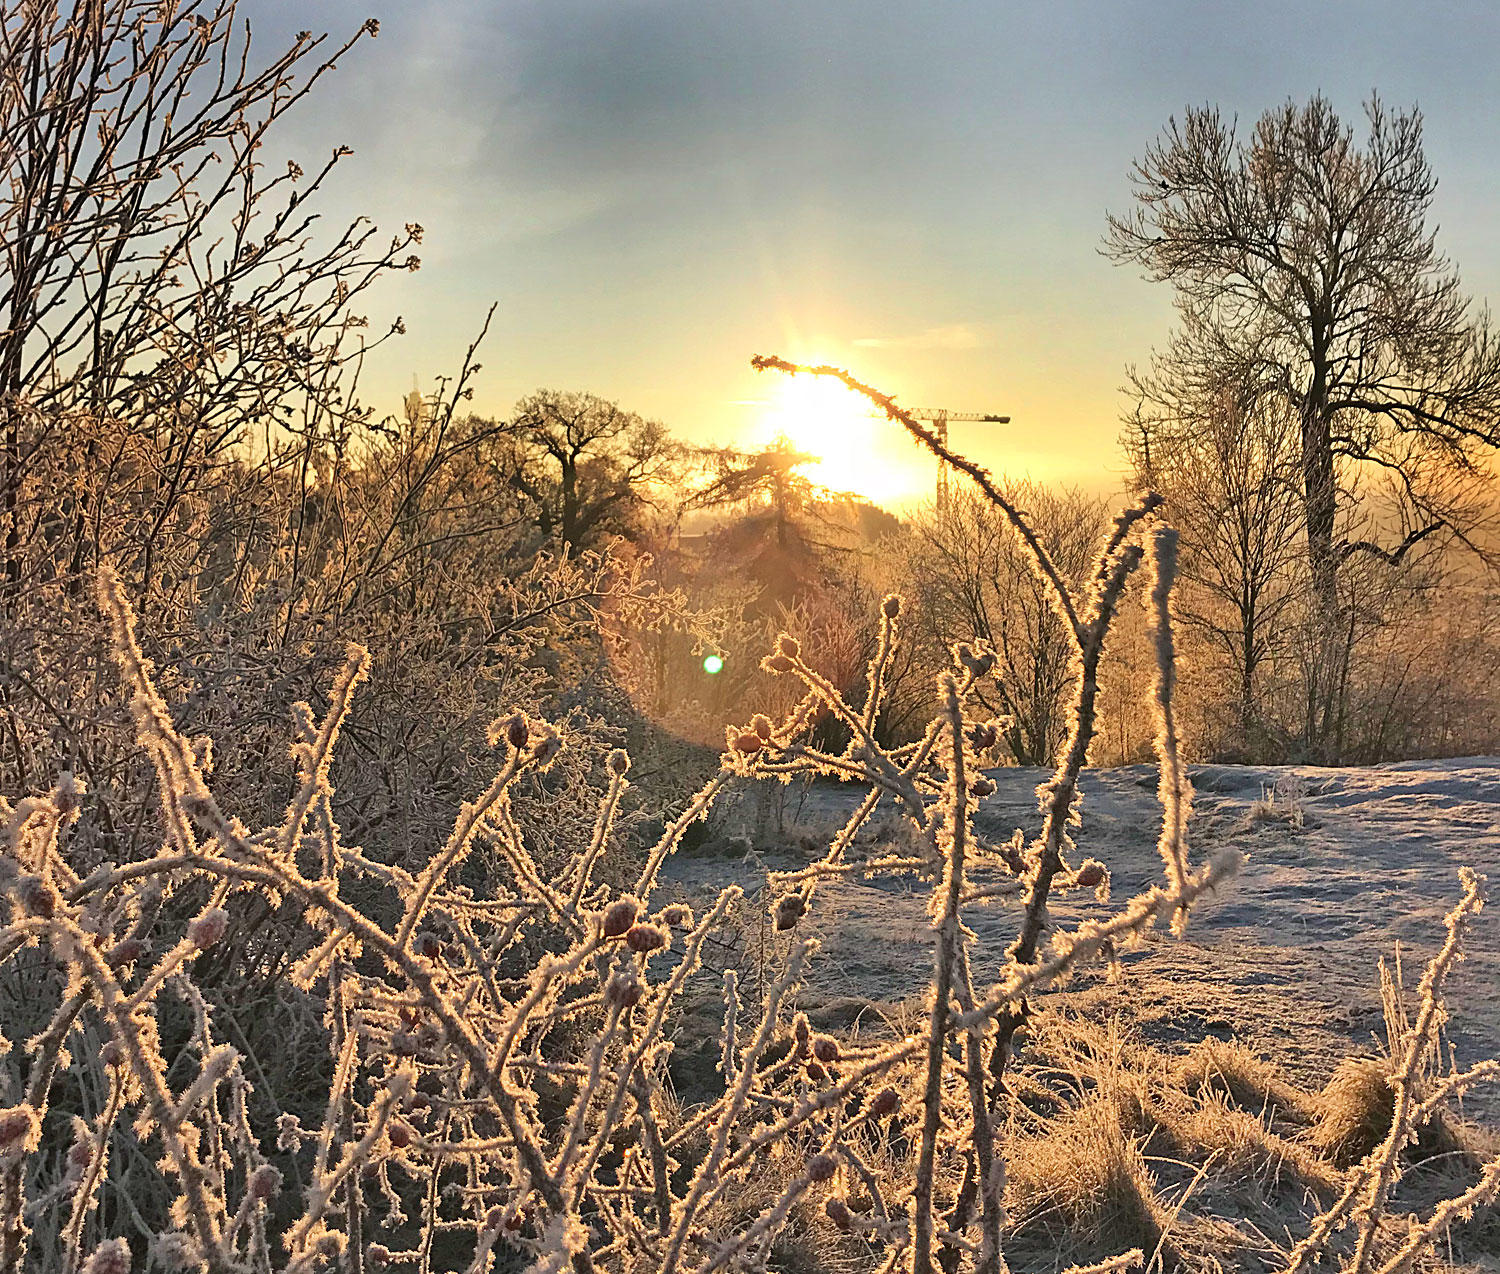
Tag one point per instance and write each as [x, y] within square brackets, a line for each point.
[1285, 957]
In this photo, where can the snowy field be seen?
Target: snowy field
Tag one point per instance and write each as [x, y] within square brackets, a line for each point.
[1342, 864]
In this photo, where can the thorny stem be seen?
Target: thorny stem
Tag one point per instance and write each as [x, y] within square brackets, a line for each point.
[948, 948]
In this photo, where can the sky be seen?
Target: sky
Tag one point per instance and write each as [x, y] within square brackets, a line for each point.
[651, 191]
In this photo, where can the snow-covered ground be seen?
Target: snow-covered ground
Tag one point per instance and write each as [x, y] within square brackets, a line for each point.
[1342, 864]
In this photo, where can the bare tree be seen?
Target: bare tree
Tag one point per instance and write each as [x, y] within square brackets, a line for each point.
[1305, 261]
[1225, 458]
[973, 582]
[587, 466]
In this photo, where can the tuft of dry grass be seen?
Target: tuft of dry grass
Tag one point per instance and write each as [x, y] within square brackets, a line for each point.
[1354, 1114]
[1354, 1111]
[1250, 1153]
[1232, 1071]
[1081, 1190]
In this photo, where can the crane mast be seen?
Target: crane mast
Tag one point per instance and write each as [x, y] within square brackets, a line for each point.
[938, 418]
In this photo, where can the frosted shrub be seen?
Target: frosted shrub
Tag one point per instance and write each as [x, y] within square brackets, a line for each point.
[497, 1064]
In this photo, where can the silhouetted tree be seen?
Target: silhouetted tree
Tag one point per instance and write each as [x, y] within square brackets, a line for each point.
[1304, 263]
[587, 467]
[778, 529]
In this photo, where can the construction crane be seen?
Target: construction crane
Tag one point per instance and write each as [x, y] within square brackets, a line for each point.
[938, 418]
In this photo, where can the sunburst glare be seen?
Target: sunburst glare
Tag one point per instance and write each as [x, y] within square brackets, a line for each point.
[856, 451]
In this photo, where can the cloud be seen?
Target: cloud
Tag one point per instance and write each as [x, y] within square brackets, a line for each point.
[951, 336]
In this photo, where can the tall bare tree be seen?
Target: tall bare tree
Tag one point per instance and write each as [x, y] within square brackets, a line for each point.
[1304, 260]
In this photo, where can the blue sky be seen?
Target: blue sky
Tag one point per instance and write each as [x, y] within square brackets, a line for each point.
[653, 191]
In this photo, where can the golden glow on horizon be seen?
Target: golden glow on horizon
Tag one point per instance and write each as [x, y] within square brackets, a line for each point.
[856, 452]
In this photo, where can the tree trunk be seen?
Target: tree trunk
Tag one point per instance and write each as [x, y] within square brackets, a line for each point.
[1319, 498]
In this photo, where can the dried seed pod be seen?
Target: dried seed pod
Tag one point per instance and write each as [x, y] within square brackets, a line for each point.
[822, 1167]
[982, 786]
[788, 646]
[748, 743]
[620, 915]
[983, 736]
[400, 1134]
[789, 909]
[618, 762]
[111, 1054]
[427, 945]
[891, 607]
[646, 936]
[265, 1183]
[624, 989]
[546, 749]
[762, 726]
[838, 1213]
[1012, 854]
[1091, 874]
[68, 796]
[884, 1103]
[776, 663]
[378, 1256]
[825, 1048]
[80, 1155]
[803, 1034]
[816, 1073]
[977, 663]
[208, 928]
[517, 730]
[174, 1250]
[494, 1218]
[36, 896]
[110, 1257]
[126, 952]
[679, 915]
[288, 1132]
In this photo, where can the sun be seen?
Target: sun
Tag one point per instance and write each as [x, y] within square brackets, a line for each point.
[856, 451]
